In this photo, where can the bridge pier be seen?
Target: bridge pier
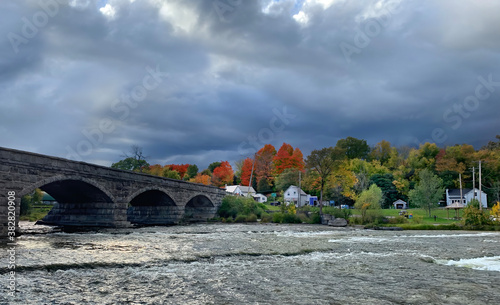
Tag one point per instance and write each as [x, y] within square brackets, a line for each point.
[87, 215]
[154, 215]
[197, 214]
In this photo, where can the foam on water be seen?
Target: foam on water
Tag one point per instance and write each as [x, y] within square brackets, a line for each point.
[481, 263]
[411, 238]
[304, 234]
[452, 235]
[362, 240]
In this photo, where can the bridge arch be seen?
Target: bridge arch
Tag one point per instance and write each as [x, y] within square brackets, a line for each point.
[71, 189]
[200, 200]
[80, 201]
[152, 206]
[151, 196]
[199, 208]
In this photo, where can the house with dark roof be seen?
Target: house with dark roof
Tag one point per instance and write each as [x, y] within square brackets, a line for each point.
[453, 196]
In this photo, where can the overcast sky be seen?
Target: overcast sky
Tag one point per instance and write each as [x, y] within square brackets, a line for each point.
[204, 81]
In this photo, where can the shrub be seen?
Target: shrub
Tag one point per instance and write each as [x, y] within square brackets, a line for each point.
[305, 208]
[315, 218]
[373, 217]
[356, 220]
[233, 206]
[251, 218]
[277, 217]
[474, 217]
[265, 217]
[495, 212]
[397, 220]
[418, 219]
[338, 213]
[241, 218]
[291, 218]
[303, 218]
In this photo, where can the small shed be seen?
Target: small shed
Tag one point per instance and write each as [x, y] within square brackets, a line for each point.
[260, 198]
[455, 206]
[400, 204]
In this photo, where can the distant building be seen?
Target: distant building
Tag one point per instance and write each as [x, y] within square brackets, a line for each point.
[260, 198]
[240, 190]
[453, 196]
[400, 204]
[47, 199]
[292, 195]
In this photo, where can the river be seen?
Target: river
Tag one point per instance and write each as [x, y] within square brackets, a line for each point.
[253, 264]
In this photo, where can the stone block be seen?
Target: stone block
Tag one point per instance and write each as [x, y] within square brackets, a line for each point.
[326, 218]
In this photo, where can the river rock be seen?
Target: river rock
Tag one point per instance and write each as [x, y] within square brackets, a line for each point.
[338, 222]
[326, 218]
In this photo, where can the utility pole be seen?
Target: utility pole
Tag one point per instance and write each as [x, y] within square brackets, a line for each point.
[461, 195]
[474, 181]
[251, 174]
[480, 192]
[300, 190]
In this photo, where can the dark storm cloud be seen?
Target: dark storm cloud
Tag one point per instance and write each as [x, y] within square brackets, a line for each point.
[214, 74]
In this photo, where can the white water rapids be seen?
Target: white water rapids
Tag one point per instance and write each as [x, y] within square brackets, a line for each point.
[254, 264]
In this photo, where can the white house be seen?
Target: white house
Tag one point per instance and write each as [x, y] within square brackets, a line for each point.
[260, 198]
[292, 195]
[453, 196]
[240, 190]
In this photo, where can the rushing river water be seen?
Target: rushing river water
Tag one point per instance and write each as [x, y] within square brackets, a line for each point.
[255, 264]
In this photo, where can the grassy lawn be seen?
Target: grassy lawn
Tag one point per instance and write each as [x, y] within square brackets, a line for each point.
[421, 216]
[439, 212]
[37, 212]
[271, 207]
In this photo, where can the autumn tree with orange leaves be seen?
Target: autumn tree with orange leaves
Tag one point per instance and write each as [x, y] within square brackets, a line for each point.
[287, 157]
[163, 171]
[180, 168]
[201, 178]
[223, 174]
[246, 171]
[264, 167]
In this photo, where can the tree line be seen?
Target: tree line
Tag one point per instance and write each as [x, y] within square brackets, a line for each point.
[344, 171]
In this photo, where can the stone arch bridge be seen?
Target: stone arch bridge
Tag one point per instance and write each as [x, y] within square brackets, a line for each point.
[93, 195]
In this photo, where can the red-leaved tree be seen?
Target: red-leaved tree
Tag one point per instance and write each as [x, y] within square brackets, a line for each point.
[264, 164]
[180, 168]
[223, 174]
[246, 171]
[287, 157]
